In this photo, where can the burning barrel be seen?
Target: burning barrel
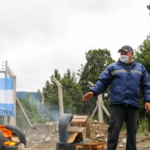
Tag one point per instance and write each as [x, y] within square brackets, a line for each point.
[11, 137]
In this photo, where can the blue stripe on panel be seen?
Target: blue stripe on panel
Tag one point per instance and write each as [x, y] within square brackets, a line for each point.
[6, 83]
[6, 109]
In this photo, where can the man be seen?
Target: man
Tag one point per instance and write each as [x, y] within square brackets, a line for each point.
[127, 79]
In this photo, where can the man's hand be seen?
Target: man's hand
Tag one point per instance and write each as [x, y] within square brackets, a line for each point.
[87, 96]
[147, 107]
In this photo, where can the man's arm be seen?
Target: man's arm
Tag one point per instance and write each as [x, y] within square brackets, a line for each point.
[87, 96]
[145, 84]
[101, 85]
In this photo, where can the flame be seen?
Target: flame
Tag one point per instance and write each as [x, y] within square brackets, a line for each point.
[7, 134]
[9, 143]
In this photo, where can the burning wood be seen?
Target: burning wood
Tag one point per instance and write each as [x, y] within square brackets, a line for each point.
[9, 138]
[15, 139]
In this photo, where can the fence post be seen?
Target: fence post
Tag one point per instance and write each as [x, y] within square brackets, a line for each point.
[24, 113]
[61, 107]
[100, 111]
[6, 117]
[96, 107]
[12, 120]
[42, 97]
[100, 106]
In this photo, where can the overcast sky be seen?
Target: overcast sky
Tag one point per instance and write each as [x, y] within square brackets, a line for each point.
[38, 36]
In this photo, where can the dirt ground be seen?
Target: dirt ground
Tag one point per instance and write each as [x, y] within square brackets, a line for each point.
[44, 137]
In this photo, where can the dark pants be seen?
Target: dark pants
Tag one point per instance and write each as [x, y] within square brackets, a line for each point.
[119, 114]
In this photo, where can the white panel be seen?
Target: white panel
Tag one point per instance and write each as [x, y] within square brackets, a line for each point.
[6, 96]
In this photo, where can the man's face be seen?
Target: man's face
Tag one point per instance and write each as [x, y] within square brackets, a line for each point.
[130, 54]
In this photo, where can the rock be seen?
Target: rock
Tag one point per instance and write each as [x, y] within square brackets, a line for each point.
[21, 145]
[102, 135]
[146, 146]
[120, 146]
[49, 123]
[124, 141]
[96, 131]
[99, 140]
[47, 139]
[56, 130]
[40, 141]
[34, 128]
[95, 121]
[56, 123]
[98, 135]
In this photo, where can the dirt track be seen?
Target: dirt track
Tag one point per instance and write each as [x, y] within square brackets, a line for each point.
[44, 137]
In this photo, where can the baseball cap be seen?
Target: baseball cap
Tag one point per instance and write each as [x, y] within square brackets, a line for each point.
[126, 48]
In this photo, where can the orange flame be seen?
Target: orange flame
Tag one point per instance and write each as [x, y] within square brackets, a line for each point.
[7, 134]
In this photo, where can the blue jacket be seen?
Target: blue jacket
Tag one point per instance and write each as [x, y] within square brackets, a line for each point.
[126, 86]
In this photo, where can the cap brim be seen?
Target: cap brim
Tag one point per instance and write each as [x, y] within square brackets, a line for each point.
[121, 50]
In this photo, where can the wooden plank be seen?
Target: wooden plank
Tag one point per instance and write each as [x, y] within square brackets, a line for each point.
[15, 139]
[87, 146]
[78, 130]
[78, 120]
[80, 116]
[81, 120]
[72, 137]
[75, 129]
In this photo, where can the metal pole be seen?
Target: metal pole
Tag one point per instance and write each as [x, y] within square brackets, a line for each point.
[25, 115]
[5, 117]
[61, 107]
[12, 120]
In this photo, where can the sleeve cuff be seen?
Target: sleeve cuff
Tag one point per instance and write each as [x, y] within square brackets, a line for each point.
[93, 93]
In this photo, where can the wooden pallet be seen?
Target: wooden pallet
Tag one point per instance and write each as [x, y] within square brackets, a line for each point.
[90, 146]
[81, 121]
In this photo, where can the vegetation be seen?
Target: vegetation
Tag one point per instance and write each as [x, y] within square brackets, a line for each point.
[97, 60]
[31, 110]
[71, 91]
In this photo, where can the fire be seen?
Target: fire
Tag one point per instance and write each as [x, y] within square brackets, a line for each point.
[7, 136]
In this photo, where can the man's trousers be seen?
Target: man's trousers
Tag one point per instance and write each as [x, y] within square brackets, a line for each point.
[118, 114]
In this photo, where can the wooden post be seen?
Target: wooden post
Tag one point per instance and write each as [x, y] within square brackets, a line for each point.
[61, 107]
